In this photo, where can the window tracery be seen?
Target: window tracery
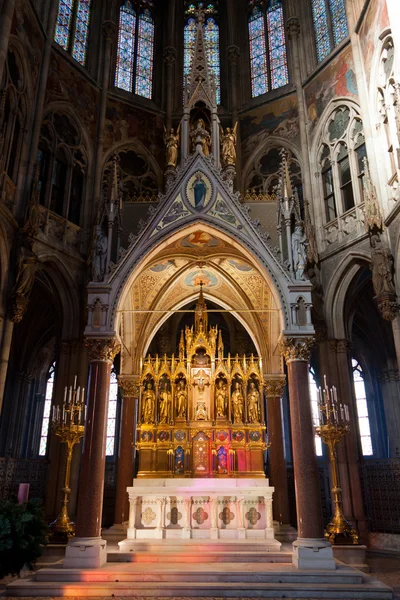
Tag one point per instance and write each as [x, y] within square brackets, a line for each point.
[62, 165]
[211, 38]
[72, 28]
[265, 174]
[268, 56]
[341, 164]
[12, 117]
[330, 25]
[388, 106]
[135, 50]
[136, 177]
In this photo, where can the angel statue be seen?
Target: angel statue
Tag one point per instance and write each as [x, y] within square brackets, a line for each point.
[228, 145]
[171, 140]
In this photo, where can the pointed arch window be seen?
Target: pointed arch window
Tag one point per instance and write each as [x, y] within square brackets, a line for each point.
[48, 399]
[362, 408]
[330, 25]
[211, 39]
[268, 56]
[135, 52]
[314, 409]
[72, 27]
[112, 414]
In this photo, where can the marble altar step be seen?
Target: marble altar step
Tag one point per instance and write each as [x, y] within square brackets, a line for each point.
[250, 581]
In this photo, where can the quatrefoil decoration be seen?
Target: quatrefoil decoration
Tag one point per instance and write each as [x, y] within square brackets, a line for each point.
[200, 516]
[226, 516]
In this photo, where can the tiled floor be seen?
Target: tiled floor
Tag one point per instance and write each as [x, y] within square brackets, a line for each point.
[385, 568]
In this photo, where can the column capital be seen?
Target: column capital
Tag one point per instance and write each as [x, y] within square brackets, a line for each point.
[340, 346]
[129, 386]
[169, 55]
[293, 28]
[109, 30]
[296, 348]
[274, 388]
[102, 349]
[233, 54]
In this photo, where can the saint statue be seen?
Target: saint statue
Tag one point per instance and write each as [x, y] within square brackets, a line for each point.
[201, 412]
[165, 405]
[237, 403]
[148, 404]
[221, 395]
[181, 398]
[200, 136]
[200, 190]
[253, 403]
[100, 247]
[382, 267]
[171, 141]
[299, 251]
[27, 266]
[228, 146]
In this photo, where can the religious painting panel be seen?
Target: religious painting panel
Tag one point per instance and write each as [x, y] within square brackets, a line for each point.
[201, 455]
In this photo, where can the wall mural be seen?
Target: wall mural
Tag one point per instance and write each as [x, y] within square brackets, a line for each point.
[201, 276]
[337, 79]
[277, 118]
[376, 20]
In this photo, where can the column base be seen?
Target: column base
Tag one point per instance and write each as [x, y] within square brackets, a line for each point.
[313, 554]
[131, 533]
[85, 553]
[269, 533]
[241, 533]
[186, 533]
[214, 533]
[159, 533]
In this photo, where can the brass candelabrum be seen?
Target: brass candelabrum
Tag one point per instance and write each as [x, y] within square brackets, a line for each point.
[334, 424]
[68, 423]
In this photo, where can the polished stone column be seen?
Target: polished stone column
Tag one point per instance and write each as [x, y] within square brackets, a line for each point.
[310, 550]
[87, 549]
[276, 455]
[130, 394]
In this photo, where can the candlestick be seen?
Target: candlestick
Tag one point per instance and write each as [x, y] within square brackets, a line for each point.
[68, 427]
[332, 431]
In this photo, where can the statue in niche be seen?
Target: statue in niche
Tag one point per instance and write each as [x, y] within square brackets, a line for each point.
[171, 141]
[237, 403]
[222, 457]
[200, 191]
[100, 248]
[165, 404]
[179, 461]
[200, 136]
[299, 251]
[27, 266]
[253, 403]
[221, 398]
[148, 404]
[181, 399]
[382, 267]
[228, 145]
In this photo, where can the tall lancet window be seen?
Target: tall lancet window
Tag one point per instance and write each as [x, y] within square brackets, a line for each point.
[72, 27]
[330, 25]
[211, 39]
[268, 56]
[135, 53]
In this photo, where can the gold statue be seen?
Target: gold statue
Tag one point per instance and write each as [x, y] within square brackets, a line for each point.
[148, 403]
[228, 145]
[165, 405]
[237, 403]
[171, 141]
[253, 403]
[221, 396]
[201, 412]
[181, 398]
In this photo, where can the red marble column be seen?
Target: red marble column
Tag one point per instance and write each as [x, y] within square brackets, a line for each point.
[277, 463]
[129, 389]
[87, 549]
[310, 550]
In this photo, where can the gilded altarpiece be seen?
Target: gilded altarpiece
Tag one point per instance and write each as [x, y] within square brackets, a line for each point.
[201, 413]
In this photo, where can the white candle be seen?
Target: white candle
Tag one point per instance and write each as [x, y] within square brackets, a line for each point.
[76, 377]
[65, 394]
[77, 395]
[54, 412]
[83, 396]
[70, 395]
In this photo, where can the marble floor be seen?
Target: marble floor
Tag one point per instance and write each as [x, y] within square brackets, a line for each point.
[386, 568]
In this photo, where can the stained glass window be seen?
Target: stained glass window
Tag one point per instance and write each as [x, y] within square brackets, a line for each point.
[144, 69]
[72, 27]
[46, 411]
[112, 415]
[211, 38]
[126, 47]
[330, 25]
[268, 57]
[362, 409]
[135, 53]
[314, 409]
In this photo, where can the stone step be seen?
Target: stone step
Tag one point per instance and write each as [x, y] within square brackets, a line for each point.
[174, 557]
[231, 573]
[368, 590]
[199, 545]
